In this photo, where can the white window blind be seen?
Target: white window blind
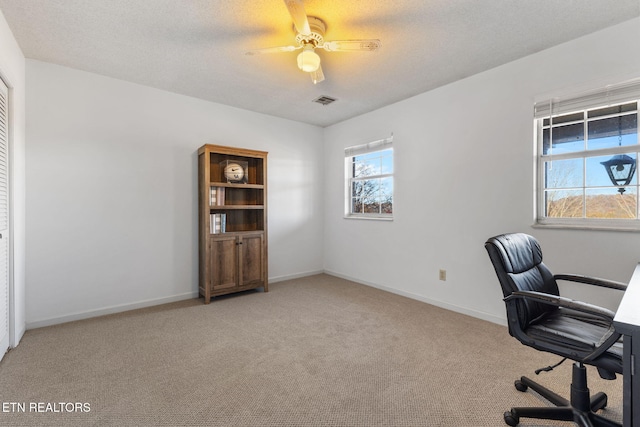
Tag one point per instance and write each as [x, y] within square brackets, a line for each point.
[370, 147]
[608, 95]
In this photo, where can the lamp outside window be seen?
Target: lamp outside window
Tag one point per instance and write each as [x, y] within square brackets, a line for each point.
[308, 60]
[621, 167]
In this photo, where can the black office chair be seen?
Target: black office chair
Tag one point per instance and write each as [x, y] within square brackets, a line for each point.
[538, 317]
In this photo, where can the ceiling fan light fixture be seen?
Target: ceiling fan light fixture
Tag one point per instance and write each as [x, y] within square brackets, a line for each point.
[310, 36]
[308, 60]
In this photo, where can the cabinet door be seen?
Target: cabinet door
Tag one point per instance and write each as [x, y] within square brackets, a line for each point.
[252, 259]
[224, 263]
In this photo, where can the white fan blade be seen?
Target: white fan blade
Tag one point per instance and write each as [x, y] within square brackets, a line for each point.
[299, 16]
[352, 45]
[273, 50]
[317, 76]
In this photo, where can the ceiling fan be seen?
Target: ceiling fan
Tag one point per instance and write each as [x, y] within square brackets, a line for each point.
[310, 36]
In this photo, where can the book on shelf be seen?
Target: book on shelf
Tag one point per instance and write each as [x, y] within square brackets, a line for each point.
[216, 196]
[213, 197]
[218, 223]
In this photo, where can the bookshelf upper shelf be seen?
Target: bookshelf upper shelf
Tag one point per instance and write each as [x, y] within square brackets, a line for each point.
[233, 185]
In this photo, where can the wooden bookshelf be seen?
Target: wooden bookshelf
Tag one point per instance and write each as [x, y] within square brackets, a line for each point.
[232, 200]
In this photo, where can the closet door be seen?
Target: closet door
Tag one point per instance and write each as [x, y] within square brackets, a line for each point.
[4, 219]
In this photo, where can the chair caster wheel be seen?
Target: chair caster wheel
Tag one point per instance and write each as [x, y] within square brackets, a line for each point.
[520, 386]
[511, 419]
[599, 401]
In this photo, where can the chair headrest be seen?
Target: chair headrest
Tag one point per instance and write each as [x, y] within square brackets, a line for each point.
[519, 252]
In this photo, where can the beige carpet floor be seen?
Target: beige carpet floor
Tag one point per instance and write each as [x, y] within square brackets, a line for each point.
[315, 351]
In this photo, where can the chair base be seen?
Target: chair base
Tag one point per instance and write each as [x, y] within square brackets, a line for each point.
[580, 409]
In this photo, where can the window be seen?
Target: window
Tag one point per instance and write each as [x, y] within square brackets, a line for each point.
[369, 180]
[587, 152]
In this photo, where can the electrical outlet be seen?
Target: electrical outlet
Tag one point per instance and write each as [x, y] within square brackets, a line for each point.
[443, 275]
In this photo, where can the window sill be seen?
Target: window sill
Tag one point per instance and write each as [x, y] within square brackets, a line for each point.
[588, 227]
[372, 217]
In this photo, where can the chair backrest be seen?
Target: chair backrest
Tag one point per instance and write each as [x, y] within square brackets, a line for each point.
[517, 260]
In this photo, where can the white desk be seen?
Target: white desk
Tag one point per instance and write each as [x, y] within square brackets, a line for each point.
[627, 322]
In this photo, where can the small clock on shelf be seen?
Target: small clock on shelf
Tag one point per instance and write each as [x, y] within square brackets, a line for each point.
[234, 171]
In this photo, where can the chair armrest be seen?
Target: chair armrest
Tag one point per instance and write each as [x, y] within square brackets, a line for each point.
[592, 281]
[558, 301]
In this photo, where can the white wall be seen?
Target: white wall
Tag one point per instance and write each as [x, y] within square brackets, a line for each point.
[111, 173]
[112, 192]
[12, 70]
[464, 168]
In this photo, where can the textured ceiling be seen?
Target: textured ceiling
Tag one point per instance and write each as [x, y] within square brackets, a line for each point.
[196, 47]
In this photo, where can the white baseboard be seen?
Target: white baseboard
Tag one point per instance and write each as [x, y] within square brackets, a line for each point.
[165, 300]
[109, 310]
[141, 304]
[463, 310]
[294, 276]
[18, 335]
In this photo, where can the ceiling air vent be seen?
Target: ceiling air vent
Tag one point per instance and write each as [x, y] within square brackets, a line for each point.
[324, 100]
